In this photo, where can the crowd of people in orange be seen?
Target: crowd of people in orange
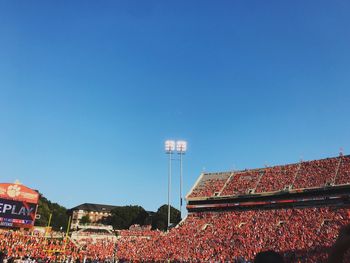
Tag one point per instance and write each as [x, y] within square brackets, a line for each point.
[310, 174]
[298, 234]
[25, 246]
[210, 187]
[242, 182]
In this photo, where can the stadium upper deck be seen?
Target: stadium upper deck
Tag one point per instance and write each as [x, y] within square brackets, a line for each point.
[309, 174]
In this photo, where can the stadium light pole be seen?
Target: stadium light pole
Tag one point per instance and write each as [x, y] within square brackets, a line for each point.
[169, 149]
[181, 147]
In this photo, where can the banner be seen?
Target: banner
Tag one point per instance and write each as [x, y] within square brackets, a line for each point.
[16, 213]
[18, 192]
[18, 205]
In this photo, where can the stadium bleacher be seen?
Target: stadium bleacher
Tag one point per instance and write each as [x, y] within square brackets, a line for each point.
[243, 182]
[277, 178]
[294, 209]
[298, 231]
[210, 184]
[303, 233]
[316, 173]
[306, 174]
[343, 174]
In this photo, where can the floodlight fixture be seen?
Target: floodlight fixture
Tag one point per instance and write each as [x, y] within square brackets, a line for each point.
[169, 146]
[181, 147]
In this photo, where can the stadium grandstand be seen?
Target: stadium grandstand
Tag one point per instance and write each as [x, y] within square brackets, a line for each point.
[304, 175]
[296, 210]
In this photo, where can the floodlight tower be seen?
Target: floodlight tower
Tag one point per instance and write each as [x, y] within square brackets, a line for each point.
[181, 148]
[169, 149]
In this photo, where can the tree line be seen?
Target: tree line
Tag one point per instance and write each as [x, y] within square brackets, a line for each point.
[124, 216]
[121, 217]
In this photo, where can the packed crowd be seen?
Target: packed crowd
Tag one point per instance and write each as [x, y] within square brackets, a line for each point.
[343, 176]
[100, 250]
[316, 173]
[209, 187]
[242, 182]
[310, 174]
[277, 178]
[298, 234]
[20, 246]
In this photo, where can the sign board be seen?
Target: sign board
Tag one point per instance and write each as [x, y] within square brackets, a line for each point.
[18, 192]
[18, 205]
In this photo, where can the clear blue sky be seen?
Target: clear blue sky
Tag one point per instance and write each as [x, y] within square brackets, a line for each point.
[90, 90]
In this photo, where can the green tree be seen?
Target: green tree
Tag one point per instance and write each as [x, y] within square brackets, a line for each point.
[160, 219]
[124, 216]
[59, 214]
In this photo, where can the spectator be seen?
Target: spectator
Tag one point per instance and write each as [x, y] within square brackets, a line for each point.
[341, 246]
[268, 257]
[2, 256]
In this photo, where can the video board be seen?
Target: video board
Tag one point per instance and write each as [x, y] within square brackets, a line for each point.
[18, 205]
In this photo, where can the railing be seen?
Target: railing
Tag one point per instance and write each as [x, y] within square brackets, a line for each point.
[337, 171]
[260, 176]
[296, 174]
[228, 180]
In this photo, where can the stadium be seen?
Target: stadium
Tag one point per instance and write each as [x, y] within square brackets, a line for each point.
[296, 210]
[98, 100]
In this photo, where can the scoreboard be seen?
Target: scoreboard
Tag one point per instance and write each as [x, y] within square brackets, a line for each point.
[18, 205]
